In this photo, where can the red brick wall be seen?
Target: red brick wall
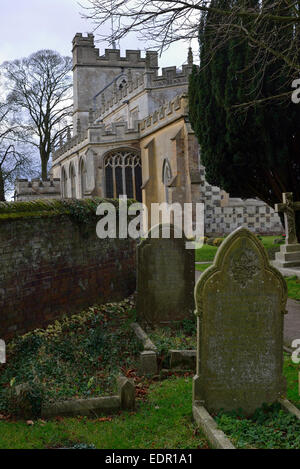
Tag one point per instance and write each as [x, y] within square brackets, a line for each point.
[52, 266]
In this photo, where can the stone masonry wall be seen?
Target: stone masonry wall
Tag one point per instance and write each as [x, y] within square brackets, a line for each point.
[50, 266]
[250, 213]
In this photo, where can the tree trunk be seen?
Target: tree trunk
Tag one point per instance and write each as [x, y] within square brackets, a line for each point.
[2, 191]
[44, 161]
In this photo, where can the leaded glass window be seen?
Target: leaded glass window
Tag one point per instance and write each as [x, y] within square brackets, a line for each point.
[123, 174]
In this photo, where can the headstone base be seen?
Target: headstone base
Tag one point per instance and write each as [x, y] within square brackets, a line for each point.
[288, 256]
[148, 362]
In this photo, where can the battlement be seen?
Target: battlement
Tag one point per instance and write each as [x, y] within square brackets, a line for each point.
[121, 131]
[37, 189]
[112, 97]
[70, 143]
[80, 40]
[172, 76]
[99, 133]
[168, 112]
[85, 53]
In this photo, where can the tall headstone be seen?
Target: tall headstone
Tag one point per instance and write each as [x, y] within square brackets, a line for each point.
[289, 254]
[240, 305]
[165, 277]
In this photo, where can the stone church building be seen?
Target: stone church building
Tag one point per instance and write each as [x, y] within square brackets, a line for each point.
[131, 135]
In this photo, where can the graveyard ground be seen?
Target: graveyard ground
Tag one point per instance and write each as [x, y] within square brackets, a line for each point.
[78, 356]
[163, 419]
[163, 415]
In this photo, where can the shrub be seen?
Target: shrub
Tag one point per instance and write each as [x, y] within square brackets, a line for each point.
[75, 356]
[25, 400]
[217, 242]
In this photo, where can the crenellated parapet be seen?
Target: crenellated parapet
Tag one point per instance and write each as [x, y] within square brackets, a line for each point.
[121, 131]
[37, 189]
[99, 133]
[164, 114]
[112, 97]
[70, 143]
[85, 53]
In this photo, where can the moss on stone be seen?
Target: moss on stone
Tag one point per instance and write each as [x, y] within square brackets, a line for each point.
[80, 210]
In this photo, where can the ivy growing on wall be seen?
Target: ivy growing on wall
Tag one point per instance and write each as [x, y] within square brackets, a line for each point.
[82, 212]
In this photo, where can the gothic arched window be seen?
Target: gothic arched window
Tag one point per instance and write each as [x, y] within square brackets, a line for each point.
[64, 187]
[73, 181]
[167, 177]
[82, 170]
[123, 174]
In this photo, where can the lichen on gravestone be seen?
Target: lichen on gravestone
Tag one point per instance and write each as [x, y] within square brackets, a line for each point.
[240, 304]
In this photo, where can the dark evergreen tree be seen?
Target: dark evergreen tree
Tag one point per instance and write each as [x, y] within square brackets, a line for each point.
[252, 152]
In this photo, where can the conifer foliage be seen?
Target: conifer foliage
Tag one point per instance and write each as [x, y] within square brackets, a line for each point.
[249, 144]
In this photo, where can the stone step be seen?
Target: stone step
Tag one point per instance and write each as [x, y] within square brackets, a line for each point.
[290, 248]
[284, 264]
[287, 256]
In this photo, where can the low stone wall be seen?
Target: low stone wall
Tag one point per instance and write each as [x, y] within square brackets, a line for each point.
[51, 265]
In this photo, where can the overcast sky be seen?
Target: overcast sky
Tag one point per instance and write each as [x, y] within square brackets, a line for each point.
[30, 25]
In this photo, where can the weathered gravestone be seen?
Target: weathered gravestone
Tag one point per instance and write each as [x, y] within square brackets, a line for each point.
[289, 254]
[165, 277]
[240, 303]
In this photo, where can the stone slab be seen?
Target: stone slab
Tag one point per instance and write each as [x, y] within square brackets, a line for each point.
[216, 437]
[148, 362]
[289, 407]
[165, 278]
[142, 336]
[126, 392]
[90, 407]
[183, 359]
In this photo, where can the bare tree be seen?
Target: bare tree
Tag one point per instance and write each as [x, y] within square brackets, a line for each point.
[162, 23]
[14, 160]
[40, 97]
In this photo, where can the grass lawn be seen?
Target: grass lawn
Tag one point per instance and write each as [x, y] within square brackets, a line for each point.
[202, 267]
[293, 284]
[164, 420]
[207, 252]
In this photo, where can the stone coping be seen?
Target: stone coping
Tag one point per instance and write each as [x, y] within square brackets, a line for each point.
[183, 359]
[289, 407]
[217, 437]
[209, 427]
[180, 360]
[93, 407]
[287, 272]
[142, 336]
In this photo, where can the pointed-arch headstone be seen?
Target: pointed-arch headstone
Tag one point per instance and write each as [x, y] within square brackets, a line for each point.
[240, 305]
